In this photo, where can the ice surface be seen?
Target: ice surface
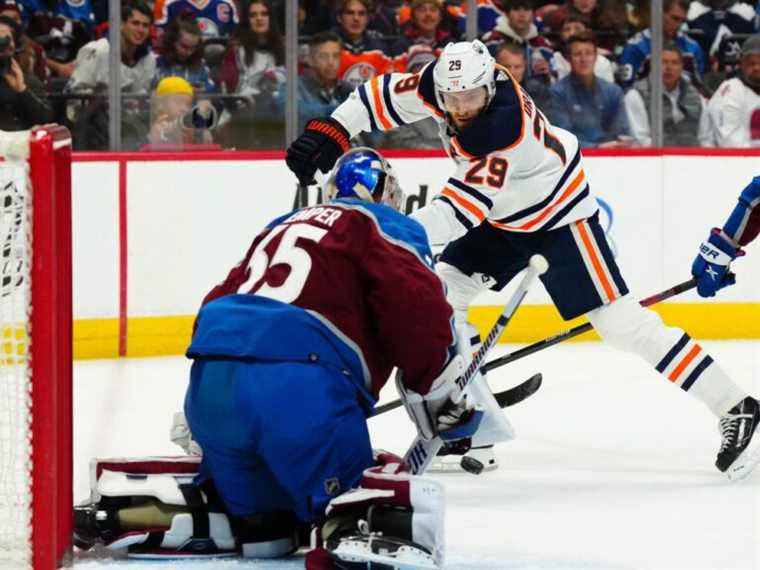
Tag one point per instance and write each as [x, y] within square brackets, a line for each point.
[612, 467]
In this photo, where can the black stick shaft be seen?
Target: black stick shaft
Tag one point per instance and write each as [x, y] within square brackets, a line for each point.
[580, 329]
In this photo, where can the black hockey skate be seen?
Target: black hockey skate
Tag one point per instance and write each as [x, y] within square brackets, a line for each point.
[95, 524]
[739, 450]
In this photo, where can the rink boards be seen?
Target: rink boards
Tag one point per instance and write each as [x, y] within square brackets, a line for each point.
[154, 232]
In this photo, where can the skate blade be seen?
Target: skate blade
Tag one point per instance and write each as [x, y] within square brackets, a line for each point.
[405, 558]
[746, 462]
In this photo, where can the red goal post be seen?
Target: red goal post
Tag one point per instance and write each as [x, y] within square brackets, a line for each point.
[36, 358]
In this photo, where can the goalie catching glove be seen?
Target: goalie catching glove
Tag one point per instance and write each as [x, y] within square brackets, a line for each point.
[444, 411]
[320, 145]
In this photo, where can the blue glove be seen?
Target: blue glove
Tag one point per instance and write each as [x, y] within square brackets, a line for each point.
[459, 420]
[711, 265]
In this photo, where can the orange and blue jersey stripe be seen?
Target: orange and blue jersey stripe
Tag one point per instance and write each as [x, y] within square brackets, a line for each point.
[571, 189]
[593, 258]
[684, 363]
[377, 101]
[470, 206]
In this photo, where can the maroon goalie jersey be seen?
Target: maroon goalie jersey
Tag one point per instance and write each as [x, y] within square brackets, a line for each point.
[348, 278]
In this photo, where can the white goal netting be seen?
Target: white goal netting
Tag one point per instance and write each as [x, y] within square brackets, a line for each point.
[15, 375]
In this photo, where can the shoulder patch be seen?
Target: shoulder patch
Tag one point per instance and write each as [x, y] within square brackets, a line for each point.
[499, 127]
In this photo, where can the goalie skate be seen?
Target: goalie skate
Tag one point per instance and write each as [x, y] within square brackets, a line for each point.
[452, 462]
[381, 553]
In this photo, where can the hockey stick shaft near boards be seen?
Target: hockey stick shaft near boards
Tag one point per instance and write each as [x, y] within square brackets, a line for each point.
[580, 329]
[422, 451]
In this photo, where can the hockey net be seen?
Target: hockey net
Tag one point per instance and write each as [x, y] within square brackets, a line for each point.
[35, 352]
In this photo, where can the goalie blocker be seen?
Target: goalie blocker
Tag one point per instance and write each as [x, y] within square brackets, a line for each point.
[149, 508]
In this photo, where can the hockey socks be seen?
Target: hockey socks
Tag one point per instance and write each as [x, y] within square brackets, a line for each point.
[626, 325]
[689, 366]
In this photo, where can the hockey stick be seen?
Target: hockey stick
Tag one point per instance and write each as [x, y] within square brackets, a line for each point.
[580, 329]
[505, 398]
[546, 343]
[422, 451]
[518, 393]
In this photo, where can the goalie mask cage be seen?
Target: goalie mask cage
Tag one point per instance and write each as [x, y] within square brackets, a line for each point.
[36, 356]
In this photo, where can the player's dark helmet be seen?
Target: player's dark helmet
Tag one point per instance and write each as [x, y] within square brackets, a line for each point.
[363, 173]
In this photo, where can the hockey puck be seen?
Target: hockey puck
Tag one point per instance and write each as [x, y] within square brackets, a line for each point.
[471, 465]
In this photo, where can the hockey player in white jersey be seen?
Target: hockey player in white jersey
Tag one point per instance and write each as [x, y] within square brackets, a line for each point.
[519, 188]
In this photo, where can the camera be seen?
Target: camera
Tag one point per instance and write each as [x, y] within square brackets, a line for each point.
[200, 117]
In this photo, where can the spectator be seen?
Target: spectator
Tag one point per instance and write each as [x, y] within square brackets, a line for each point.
[365, 54]
[257, 48]
[425, 28]
[573, 25]
[634, 61]
[320, 91]
[588, 106]
[512, 56]
[684, 121]
[29, 54]
[89, 114]
[216, 18]
[182, 55]
[61, 29]
[724, 63]
[518, 26]
[426, 25]
[734, 109]
[488, 13]
[315, 16]
[73, 10]
[606, 18]
[138, 63]
[23, 103]
[253, 67]
[383, 17]
[172, 115]
[710, 21]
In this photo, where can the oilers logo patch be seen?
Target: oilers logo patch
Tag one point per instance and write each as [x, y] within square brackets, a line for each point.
[359, 73]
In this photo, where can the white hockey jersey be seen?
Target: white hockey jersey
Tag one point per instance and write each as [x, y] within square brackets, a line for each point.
[734, 112]
[513, 169]
[92, 69]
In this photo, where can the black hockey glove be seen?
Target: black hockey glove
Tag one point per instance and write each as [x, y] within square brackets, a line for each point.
[320, 145]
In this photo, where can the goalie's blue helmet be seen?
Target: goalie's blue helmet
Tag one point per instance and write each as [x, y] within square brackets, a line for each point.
[363, 173]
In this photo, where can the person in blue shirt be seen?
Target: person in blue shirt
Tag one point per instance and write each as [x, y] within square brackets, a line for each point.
[634, 61]
[182, 55]
[586, 105]
[320, 91]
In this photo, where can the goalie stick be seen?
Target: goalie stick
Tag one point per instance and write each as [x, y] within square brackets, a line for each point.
[422, 451]
[585, 327]
[505, 398]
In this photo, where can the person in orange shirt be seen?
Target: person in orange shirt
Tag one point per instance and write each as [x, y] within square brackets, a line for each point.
[365, 53]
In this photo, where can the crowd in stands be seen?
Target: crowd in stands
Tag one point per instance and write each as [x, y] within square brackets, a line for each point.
[211, 72]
